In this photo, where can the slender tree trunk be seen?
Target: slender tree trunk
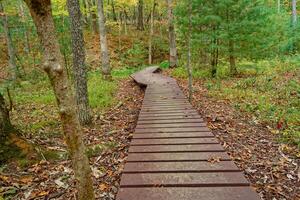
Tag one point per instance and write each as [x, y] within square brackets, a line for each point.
[53, 65]
[103, 43]
[114, 10]
[140, 24]
[79, 67]
[25, 29]
[120, 31]
[294, 13]
[13, 68]
[189, 67]
[150, 59]
[214, 54]
[278, 6]
[85, 17]
[233, 70]
[172, 36]
[94, 17]
[125, 22]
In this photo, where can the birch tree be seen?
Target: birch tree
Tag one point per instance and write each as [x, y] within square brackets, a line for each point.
[103, 43]
[53, 65]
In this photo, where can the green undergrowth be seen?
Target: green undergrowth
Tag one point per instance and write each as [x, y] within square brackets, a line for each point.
[269, 90]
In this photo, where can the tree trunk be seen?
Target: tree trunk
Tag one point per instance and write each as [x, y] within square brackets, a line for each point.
[26, 33]
[85, 16]
[214, 54]
[294, 13]
[103, 43]
[53, 65]
[233, 70]
[5, 124]
[172, 36]
[140, 20]
[150, 59]
[94, 17]
[278, 6]
[114, 10]
[189, 68]
[79, 67]
[13, 68]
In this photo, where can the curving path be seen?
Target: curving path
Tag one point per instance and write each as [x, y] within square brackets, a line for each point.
[173, 155]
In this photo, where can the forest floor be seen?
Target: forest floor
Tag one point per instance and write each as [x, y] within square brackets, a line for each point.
[269, 162]
[272, 167]
[107, 142]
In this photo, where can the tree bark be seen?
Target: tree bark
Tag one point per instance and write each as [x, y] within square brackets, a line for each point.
[172, 35]
[53, 65]
[189, 68]
[140, 20]
[14, 72]
[103, 43]
[79, 67]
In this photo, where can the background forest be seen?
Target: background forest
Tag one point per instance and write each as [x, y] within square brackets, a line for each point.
[239, 59]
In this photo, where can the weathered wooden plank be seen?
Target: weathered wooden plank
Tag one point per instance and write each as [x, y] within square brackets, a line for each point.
[171, 125]
[169, 121]
[188, 193]
[177, 148]
[173, 135]
[175, 141]
[172, 117]
[196, 166]
[188, 156]
[173, 130]
[204, 179]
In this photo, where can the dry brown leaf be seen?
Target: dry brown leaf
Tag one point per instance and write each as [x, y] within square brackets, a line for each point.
[214, 159]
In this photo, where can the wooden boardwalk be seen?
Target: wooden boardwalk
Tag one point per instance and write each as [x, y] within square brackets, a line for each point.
[173, 155]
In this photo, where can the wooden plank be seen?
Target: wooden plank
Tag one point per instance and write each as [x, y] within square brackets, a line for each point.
[204, 179]
[169, 121]
[172, 117]
[188, 193]
[177, 148]
[175, 141]
[172, 130]
[159, 109]
[171, 125]
[168, 113]
[188, 156]
[173, 135]
[197, 166]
